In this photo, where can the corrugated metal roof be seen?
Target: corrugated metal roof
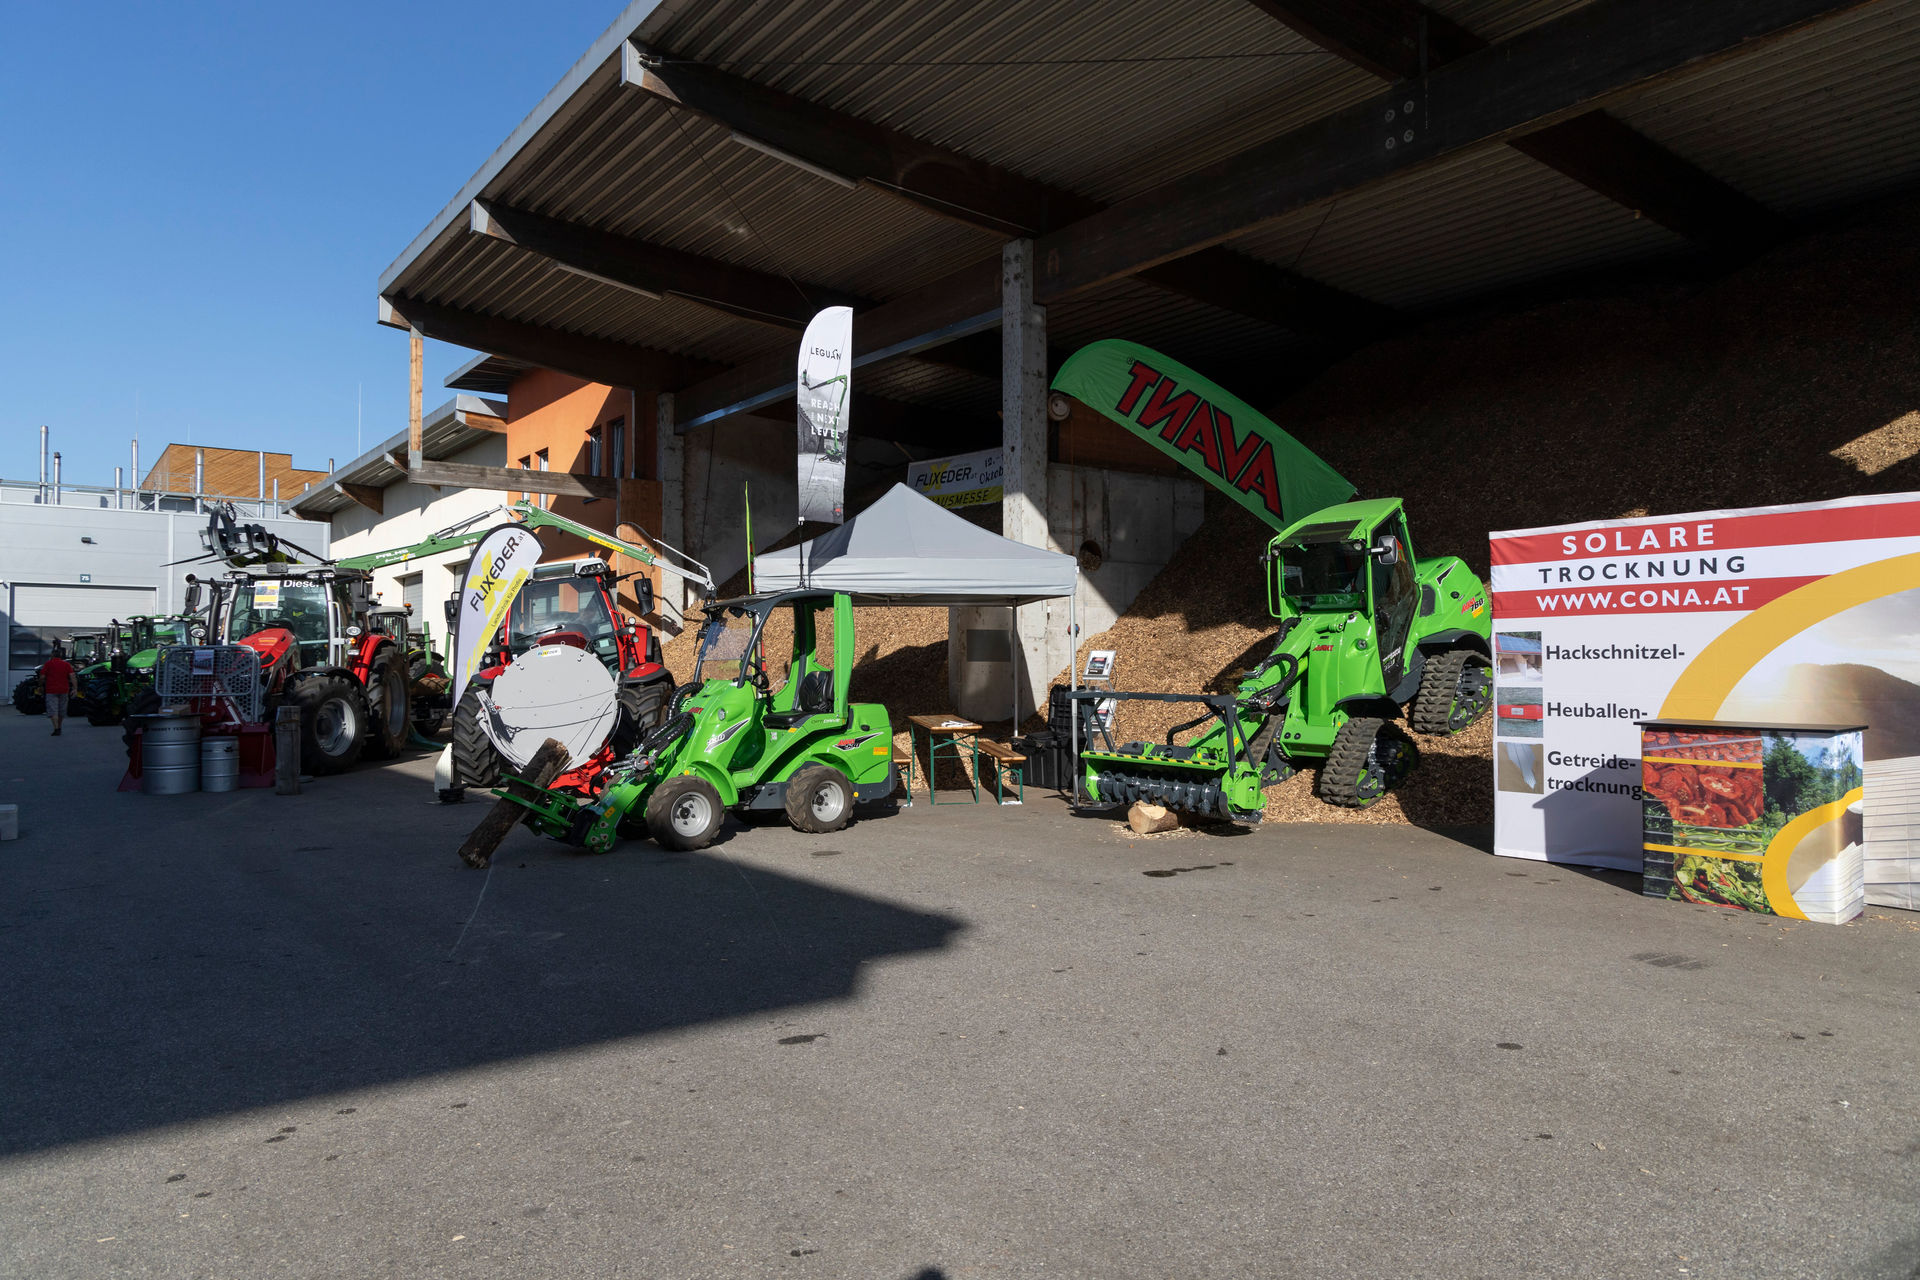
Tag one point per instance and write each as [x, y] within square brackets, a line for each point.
[486, 375]
[443, 433]
[1068, 98]
[1490, 219]
[1821, 118]
[1824, 117]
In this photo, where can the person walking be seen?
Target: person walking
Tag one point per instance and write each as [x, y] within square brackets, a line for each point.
[56, 674]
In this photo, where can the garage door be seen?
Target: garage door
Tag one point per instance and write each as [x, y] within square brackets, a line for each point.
[413, 595]
[43, 614]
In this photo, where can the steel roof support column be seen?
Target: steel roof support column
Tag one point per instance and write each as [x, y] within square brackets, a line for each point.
[669, 468]
[1023, 448]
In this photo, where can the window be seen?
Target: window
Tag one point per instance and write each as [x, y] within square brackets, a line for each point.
[616, 433]
[540, 458]
[596, 450]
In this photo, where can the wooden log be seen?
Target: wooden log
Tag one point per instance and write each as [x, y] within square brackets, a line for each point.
[286, 751]
[548, 763]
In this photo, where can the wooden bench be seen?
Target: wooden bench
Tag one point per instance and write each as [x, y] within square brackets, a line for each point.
[1005, 757]
[903, 769]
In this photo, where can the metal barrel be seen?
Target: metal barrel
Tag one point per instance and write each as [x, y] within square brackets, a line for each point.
[219, 763]
[169, 754]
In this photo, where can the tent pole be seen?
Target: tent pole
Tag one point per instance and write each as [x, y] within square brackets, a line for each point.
[1073, 678]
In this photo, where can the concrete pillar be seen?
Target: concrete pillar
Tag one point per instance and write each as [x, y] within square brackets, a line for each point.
[669, 468]
[1023, 444]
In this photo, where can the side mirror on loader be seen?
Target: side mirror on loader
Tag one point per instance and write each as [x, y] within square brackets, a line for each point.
[1387, 551]
[643, 591]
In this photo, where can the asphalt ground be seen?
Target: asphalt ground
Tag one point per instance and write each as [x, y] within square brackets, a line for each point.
[257, 1036]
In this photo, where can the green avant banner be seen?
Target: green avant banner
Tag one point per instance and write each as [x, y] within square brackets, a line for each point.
[1210, 431]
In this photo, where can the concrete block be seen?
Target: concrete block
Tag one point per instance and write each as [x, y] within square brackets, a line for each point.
[9, 822]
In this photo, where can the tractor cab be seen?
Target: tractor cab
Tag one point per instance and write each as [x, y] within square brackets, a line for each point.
[323, 613]
[733, 643]
[1352, 559]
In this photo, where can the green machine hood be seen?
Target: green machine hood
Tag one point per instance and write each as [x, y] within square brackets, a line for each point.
[1210, 431]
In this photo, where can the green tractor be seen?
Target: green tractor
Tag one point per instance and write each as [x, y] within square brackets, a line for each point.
[110, 686]
[731, 741]
[30, 695]
[1365, 630]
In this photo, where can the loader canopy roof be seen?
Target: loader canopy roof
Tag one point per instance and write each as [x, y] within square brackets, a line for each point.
[1348, 522]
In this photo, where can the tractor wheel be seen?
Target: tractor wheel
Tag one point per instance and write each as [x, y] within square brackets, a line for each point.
[1455, 688]
[476, 761]
[100, 712]
[819, 799]
[1368, 756]
[29, 697]
[643, 708]
[389, 705]
[144, 703]
[333, 723]
[684, 813]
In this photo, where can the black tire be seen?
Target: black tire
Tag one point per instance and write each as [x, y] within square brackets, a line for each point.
[684, 813]
[30, 697]
[144, 703]
[389, 705]
[643, 708]
[1456, 688]
[1367, 758]
[476, 762]
[819, 799]
[333, 723]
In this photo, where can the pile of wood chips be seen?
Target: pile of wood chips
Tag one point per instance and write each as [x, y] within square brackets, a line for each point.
[1796, 378]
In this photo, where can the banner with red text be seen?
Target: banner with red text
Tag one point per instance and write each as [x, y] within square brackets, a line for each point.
[1796, 614]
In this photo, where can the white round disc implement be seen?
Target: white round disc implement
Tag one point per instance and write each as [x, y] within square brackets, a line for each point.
[552, 691]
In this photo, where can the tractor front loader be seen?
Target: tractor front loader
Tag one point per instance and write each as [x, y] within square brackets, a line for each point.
[801, 753]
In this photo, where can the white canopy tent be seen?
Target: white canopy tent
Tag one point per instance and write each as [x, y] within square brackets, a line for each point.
[908, 550]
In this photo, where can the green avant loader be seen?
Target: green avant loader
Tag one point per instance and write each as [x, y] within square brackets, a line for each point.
[731, 741]
[112, 685]
[1367, 631]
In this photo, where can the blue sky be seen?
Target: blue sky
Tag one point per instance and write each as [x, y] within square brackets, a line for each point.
[196, 200]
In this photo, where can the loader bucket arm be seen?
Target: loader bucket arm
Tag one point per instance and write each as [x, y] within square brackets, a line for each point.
[1205, 428]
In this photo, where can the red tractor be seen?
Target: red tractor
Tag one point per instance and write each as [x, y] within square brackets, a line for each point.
[570, 603]
[326, 648]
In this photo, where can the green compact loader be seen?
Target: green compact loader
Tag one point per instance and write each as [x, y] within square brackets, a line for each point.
[1365, 629]
[731, 741]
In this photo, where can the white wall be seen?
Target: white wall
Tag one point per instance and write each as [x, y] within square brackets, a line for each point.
[1137, 521]
[41, 545]
[411, 512]
[716, 462]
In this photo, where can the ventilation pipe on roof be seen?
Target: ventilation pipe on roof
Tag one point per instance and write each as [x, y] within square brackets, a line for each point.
[56, 478]
[136, 472]
[43, 462]
[199, 477]
[118, 479]
[261, 492]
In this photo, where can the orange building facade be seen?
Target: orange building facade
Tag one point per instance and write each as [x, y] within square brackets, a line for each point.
[559, 423]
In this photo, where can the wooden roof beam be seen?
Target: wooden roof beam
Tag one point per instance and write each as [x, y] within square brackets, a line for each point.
[1542, 76]
[655, 270]
[1400, 40]
[947, 184]
[602, 360]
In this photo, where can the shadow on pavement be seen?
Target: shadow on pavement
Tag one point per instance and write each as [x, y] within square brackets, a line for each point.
[170, 958]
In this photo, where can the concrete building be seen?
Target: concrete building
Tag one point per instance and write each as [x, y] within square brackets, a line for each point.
[1256, 191]
[368, 504]
[74, 558]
